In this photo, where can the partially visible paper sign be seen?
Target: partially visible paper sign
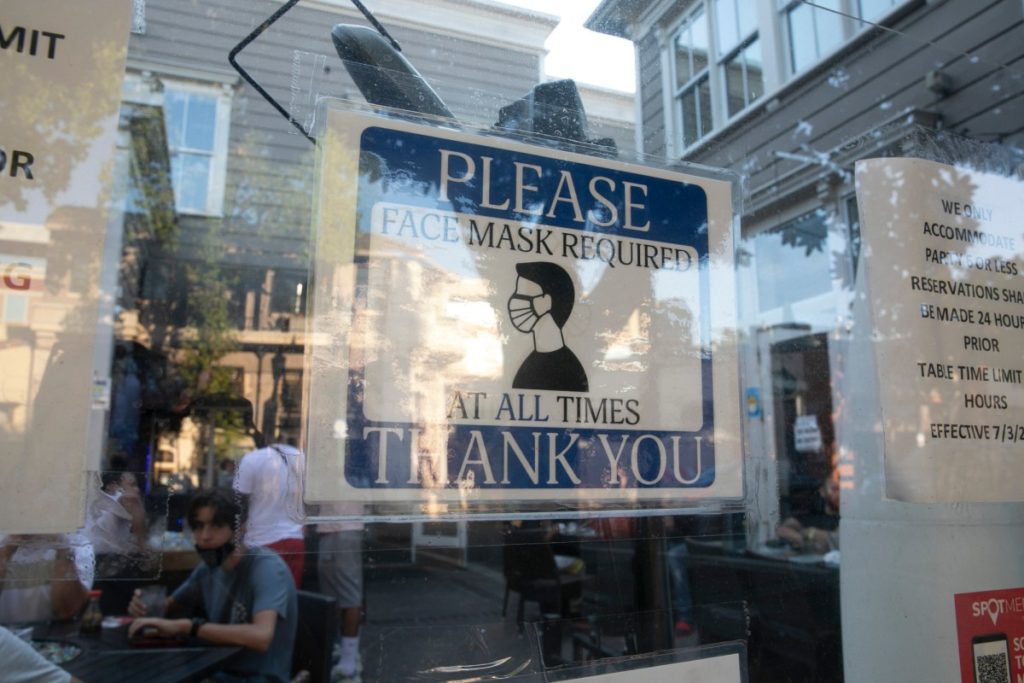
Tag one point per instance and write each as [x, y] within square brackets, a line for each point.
[807, 434]
[61, 69]
[942, 256]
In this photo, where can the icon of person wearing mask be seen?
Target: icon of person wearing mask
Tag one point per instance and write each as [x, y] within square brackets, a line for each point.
[541, 305]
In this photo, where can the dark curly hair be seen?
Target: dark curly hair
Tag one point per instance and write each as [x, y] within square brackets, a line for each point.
[555, 282]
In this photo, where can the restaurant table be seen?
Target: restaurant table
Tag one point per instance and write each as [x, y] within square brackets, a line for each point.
[107, 656]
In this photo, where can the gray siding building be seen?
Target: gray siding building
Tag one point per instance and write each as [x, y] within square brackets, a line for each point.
[216, 264]
[778, 91]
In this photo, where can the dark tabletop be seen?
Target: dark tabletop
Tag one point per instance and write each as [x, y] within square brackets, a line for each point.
[108, 657]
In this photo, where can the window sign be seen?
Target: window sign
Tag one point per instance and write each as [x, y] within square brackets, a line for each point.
[947, 308]
[496, 321]
[62, 66]
[807, 434]
[990, 635]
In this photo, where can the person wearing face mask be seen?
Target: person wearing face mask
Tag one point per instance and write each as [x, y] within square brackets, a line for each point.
[540, 306]
[246, 595]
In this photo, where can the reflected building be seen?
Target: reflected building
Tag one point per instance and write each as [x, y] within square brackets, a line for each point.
[214, 276]
[789, 95]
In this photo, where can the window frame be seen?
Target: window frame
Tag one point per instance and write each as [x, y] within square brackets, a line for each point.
[148, 87]
[713, 73]
[693, 83]
[735, 52]
[218, 154]
[851, 21]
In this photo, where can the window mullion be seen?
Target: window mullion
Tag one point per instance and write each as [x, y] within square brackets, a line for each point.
[716, 81]
[742, 56]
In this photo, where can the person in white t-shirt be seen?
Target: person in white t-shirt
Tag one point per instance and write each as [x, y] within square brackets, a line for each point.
[44, 577]
[269, 479]
[22, 664]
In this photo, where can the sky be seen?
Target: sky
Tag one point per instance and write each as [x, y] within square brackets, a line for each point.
[575, 52]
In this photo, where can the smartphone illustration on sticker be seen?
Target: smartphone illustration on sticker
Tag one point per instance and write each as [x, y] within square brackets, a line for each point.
[991, 658]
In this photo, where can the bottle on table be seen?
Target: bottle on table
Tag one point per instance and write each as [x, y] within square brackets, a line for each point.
[92, 618]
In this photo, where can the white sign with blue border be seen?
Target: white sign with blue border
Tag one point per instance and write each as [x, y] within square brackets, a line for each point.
[500, 321]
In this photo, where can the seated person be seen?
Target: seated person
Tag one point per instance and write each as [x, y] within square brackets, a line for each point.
[817, 529]
[115, 524]
[247, 595]
[43, 577]
[22, 664]
[115, 518]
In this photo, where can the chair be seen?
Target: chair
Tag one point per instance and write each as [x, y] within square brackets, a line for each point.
[314, 637]
[530, 570]
[721, 610]
[797, 618]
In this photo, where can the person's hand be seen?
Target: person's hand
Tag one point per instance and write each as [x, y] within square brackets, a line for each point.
[137, 608]
[64, 564]
[792, 534]
[161, 628]
[131, 495]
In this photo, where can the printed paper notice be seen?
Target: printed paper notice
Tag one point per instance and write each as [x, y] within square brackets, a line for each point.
[942, 256]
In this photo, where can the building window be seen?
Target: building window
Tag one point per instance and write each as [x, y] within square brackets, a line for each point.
[15, 309]
[289, 292]
[873, 9]
[740, 50]
[693, 87]
[815, 30]
[197, 119]
[706, 97]
[794, 264]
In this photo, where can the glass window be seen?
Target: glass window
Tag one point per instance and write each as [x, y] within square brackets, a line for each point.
[814, 31]
[802, 49]
[873, 9]
[147, 353]
[701, 45]
[793, 263]
[15, 308]
[744, 78]
[740, 53]
[192, 137]
[289, 293]
[692, 81]
[728, 25]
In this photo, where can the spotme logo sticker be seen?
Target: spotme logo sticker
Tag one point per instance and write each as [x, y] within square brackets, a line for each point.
[993, 608]
[990, 635]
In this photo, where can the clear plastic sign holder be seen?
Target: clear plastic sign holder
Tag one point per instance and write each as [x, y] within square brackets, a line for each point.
[651, 322]
[663, 330]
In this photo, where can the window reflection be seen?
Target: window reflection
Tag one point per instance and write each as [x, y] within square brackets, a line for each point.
[793, 263]
[195, 135]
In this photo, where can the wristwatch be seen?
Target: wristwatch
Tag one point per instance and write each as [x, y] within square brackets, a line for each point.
[196, 623]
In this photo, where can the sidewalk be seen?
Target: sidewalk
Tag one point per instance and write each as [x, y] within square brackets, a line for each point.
[421, 621]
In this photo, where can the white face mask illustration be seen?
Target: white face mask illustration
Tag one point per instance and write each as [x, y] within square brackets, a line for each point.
[527, 305]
